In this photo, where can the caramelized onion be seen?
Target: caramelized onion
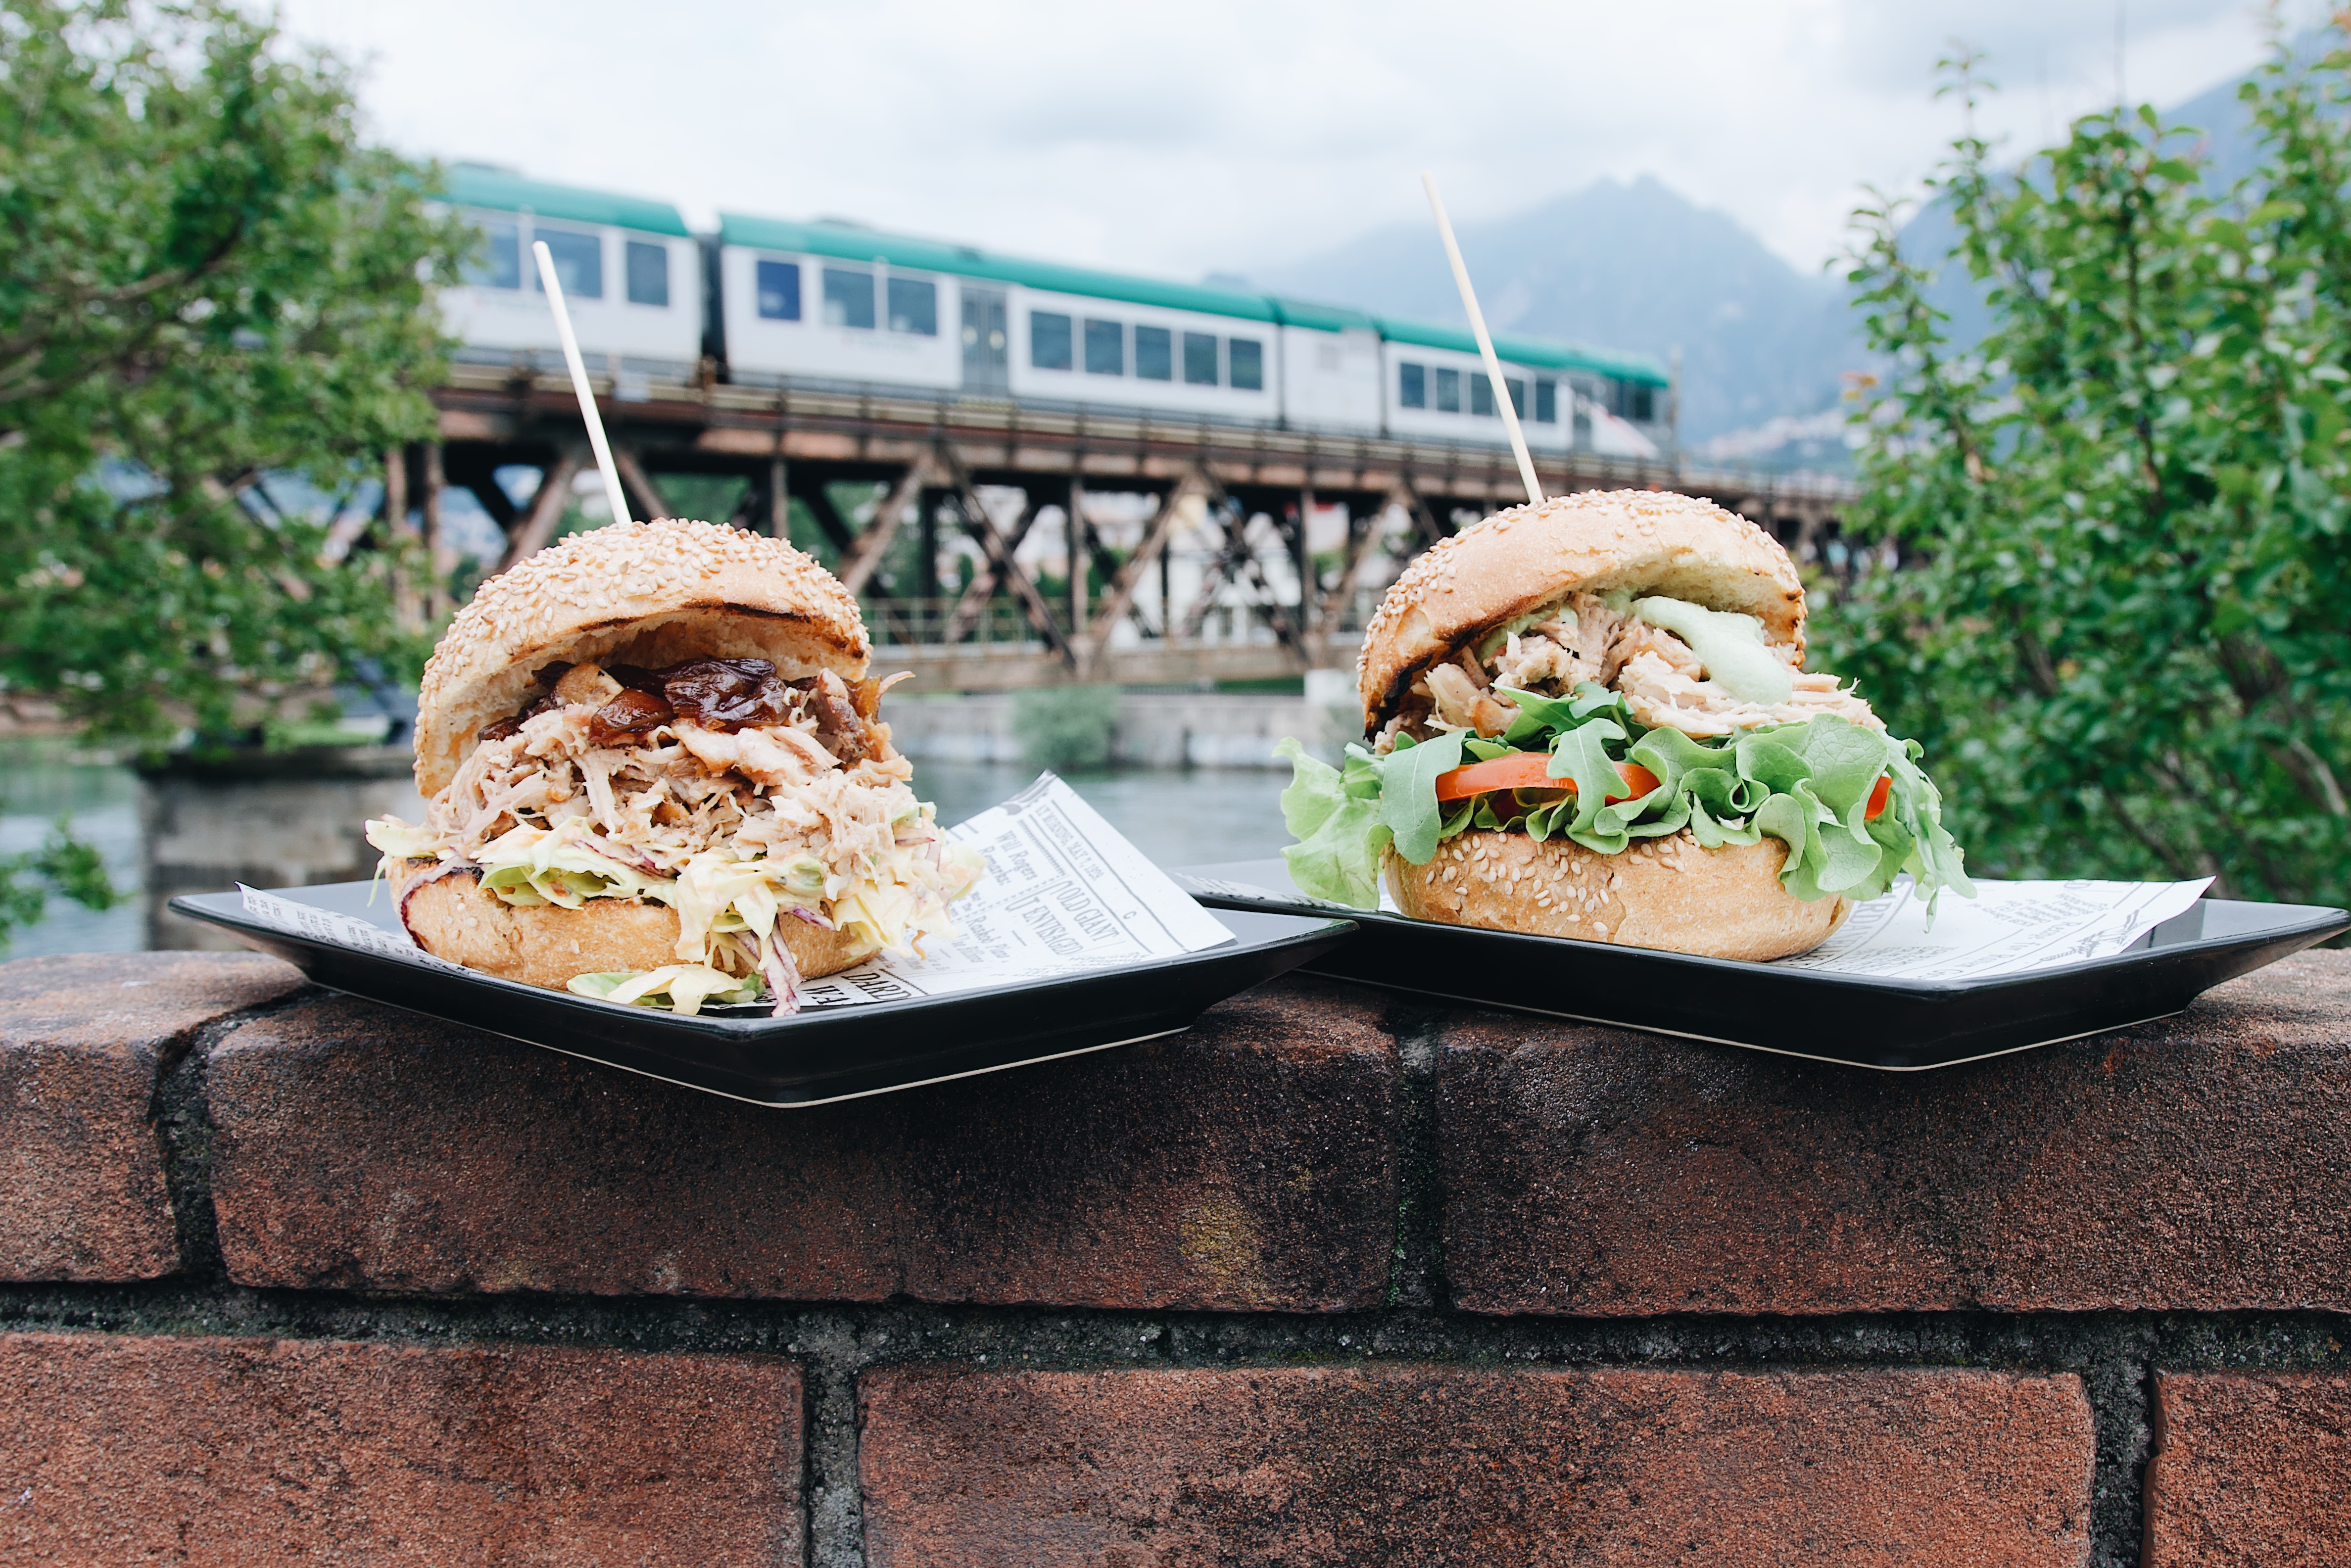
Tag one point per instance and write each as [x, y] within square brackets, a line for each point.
[627, 718]
[727, 693]
[720, 695]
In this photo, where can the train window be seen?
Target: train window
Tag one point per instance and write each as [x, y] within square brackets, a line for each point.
[1049, 339]
[1518, 395]
[849, 297]
[1411, 386]
[1246, 362]
[579, 261]
[1546, 400]
[1105, 347]
[1200, 359]
[1448, 392]
[1481, 394]
[1645, 404]
[1154, 353]
[648, 273]
[915, 307]
[778, 283]
[499, 266]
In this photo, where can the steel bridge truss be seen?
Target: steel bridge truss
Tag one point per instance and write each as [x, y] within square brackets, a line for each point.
[1186, 551]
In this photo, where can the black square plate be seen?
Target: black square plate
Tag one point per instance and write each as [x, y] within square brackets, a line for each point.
[812, 1057]
[1864, 1020]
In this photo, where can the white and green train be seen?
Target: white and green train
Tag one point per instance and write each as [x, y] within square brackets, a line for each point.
[837, 305]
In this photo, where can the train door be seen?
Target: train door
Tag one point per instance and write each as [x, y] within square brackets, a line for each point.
[986, 342]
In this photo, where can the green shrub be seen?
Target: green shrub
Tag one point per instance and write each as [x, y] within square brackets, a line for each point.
[1065, 728]
[2125, 515]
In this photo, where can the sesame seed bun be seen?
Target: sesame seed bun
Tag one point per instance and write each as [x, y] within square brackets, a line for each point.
[1643, 541]
[1669, 893]
[456, 919]
[641, 593]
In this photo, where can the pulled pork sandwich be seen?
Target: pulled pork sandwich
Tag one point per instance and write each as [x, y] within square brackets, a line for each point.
[1591, 718]
[653, 773]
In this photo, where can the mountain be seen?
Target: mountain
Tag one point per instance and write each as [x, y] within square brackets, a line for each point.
[1638, 267]
[1632, 266]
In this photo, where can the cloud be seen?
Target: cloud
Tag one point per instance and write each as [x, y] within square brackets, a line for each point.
[1228, 133]
[1901, 42]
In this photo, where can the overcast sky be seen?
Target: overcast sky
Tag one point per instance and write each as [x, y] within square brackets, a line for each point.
[1225, 134]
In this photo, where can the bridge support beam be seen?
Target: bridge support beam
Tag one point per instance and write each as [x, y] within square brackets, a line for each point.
[1002, 629]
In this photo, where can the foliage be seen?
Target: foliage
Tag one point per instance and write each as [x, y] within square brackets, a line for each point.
[2121, 625]
[63, 864]
[1066, 728]
[209, 277]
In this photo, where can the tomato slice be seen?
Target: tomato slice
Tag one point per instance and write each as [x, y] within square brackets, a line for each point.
[1530, 771]
[1877, 797]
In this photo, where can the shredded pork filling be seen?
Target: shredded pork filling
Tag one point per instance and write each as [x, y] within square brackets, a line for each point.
[1662, 680]
[785, 772]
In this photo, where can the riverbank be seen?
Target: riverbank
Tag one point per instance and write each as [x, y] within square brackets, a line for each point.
[1144, 729]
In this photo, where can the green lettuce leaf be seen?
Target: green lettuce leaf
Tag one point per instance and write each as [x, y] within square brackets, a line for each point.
[1335, 818]
[1808, 785]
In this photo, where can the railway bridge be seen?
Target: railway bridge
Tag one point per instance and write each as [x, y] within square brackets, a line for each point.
[997, 546]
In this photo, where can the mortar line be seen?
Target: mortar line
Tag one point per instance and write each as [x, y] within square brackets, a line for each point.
[2114, 1385]
[1415, 1262]
[2150, 1444]
[841, 1340]
[179, 1110]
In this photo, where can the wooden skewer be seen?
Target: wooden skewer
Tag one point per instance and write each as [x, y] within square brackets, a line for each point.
[612, 491]
[1485, 343]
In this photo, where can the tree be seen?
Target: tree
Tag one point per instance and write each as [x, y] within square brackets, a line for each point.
[63, 864]
[208, 278]
[2122, 626]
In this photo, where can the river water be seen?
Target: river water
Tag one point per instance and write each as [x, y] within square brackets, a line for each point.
[1174, 817]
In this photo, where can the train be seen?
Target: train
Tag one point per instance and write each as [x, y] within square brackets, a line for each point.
[834, 305]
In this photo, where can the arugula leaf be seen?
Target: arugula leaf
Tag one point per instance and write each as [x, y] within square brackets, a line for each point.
[1408, 793]
[1538, 716]
[1581, 754]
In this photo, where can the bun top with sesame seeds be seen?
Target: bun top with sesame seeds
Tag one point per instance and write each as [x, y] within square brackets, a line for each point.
[651, 593]
[1524, 559]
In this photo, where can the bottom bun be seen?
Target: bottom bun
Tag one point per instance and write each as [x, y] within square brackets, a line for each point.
[454, 916]
[1668, 894]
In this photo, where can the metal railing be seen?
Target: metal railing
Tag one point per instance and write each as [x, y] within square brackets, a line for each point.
[1002, 628]
[951, 414]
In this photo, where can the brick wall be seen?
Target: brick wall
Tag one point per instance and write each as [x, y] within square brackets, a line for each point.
[1334, 1278]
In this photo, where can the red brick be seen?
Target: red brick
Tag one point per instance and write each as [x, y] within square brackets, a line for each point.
[2249, 1468]
[1246, 1165]
[260, 1452]
[81, 1039]
[1431, 1465]
[2202, 1163]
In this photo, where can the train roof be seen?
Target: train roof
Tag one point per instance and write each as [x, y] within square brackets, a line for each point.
[481, 186]
[1534, 352]
[855, 242]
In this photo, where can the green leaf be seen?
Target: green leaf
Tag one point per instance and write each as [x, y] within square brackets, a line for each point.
[1335, 817]
[1408, 795]
[1581, 755]
[1808, 784]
